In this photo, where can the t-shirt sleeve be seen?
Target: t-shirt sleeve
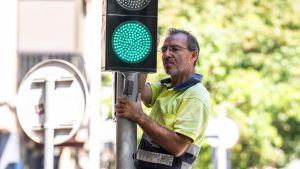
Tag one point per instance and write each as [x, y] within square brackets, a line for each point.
[155, 89]
[191, 118]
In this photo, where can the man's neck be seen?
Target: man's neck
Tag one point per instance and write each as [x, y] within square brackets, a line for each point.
[178, 79]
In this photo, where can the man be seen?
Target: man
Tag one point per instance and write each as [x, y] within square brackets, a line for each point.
[174, 130]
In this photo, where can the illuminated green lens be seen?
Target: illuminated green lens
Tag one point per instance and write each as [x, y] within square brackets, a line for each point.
[131, 42]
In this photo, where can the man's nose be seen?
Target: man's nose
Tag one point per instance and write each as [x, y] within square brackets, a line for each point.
[166, 53]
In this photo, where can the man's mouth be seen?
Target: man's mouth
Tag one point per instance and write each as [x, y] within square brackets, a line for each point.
[168, 63]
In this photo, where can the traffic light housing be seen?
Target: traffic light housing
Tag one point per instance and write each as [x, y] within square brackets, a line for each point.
[129, 35]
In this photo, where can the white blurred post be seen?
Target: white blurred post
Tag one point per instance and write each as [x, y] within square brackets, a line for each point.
[49, 127]
[222, 133]
[8, 74]
[222, 157]
[92, 56]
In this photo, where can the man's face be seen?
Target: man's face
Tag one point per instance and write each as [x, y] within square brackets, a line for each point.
[177, 59]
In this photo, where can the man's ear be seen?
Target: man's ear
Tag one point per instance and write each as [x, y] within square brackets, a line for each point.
[194, 55]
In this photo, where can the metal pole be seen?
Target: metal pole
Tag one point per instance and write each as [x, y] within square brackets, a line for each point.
[48, 125]
[222, 156]
[228, 153]
[126, 84]
[214, 157]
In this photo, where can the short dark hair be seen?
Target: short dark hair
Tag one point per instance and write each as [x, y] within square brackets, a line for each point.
[193, 44]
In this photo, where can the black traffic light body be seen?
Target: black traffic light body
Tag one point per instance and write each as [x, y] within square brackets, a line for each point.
[129, 35]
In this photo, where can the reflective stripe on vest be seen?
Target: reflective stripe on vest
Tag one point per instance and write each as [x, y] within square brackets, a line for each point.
[185, 165]
[159, 158]
[163, 158]
[193, 149]
[153, 157]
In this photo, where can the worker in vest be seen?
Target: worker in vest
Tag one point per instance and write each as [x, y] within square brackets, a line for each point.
[180, 104]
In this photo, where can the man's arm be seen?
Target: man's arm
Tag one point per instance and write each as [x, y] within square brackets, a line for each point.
[144, 88]
[173, 142]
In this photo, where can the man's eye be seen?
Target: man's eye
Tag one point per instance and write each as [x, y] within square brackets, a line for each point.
[164, 49]
[171, 48]
[174, 48]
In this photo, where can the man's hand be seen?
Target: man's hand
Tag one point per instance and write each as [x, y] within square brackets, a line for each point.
[125, 108]
[176, 144]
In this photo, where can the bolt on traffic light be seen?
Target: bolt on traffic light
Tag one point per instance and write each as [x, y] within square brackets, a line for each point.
[129, 34]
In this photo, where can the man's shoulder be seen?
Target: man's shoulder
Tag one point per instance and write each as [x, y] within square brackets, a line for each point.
[198, 91]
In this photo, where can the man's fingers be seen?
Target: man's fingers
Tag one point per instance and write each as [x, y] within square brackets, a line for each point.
[122, 100]
[120, 107]
[119, 115]
[139, 97]
[120, 112]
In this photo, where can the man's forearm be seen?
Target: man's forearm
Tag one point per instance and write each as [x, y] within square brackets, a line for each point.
[176, 144]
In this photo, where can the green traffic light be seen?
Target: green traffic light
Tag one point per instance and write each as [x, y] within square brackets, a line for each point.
[132, 41]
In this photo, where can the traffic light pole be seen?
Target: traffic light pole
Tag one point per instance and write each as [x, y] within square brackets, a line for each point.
[126, 84]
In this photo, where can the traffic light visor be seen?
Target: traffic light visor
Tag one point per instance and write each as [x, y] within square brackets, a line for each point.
[133, 4]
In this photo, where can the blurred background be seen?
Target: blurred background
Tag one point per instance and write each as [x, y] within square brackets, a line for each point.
[249, 58]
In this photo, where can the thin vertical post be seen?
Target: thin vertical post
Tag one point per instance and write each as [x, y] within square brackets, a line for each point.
[48, 125]
[126, 84]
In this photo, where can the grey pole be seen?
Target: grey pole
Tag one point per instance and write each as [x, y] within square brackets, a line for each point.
[221, 156]
[126, 84]
[228, 160]
[48, 125]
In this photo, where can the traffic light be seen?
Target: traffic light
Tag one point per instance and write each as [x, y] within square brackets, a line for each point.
[129, 34]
